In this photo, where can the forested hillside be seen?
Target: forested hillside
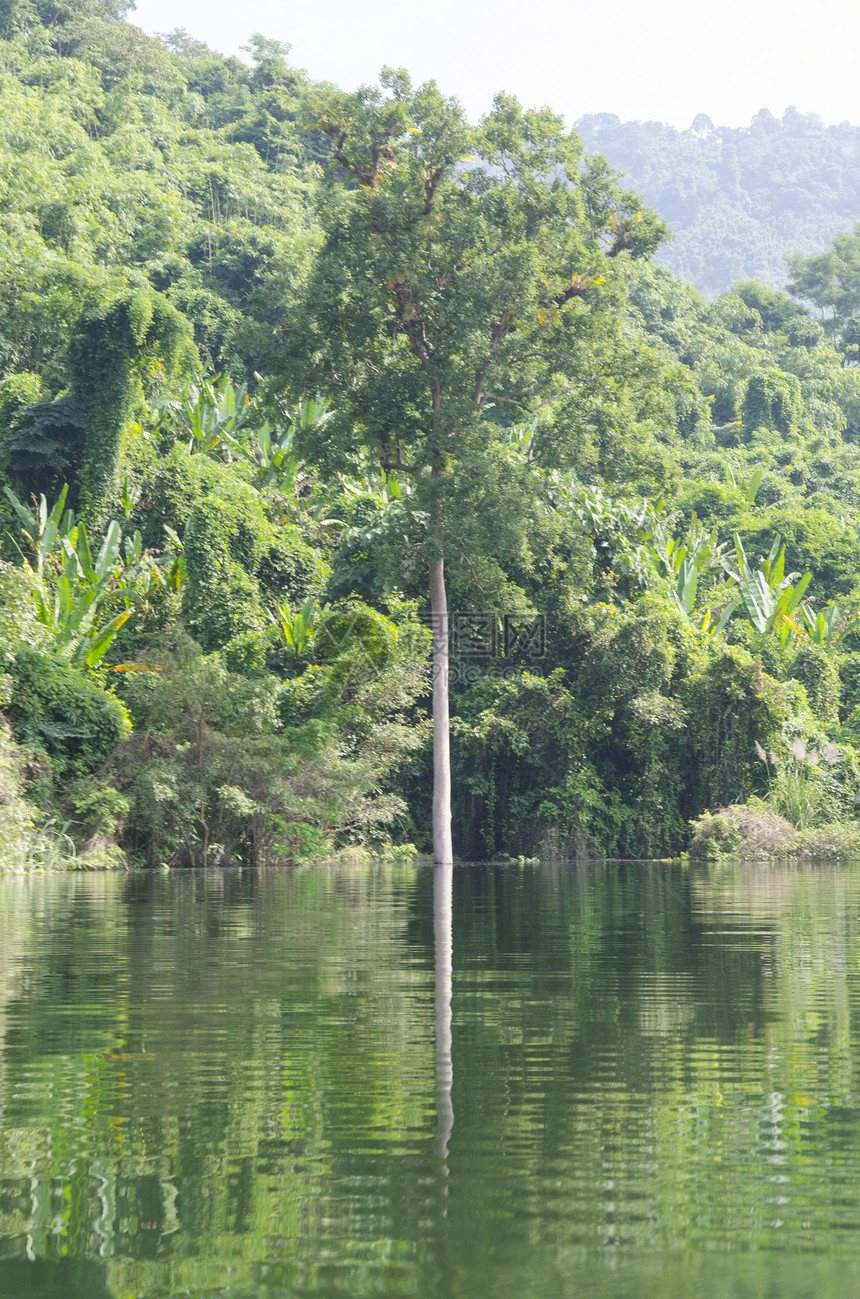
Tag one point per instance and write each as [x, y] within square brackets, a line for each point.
[267, 350]
[739, 200]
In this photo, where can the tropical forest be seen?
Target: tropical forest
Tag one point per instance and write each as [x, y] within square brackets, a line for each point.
[351, 451]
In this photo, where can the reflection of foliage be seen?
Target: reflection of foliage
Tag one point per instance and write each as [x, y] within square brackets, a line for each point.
[235, 996]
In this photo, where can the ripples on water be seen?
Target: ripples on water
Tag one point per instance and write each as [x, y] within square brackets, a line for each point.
[636, 1081]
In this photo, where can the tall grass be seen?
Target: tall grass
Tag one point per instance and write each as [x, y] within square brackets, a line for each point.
[804, 786]
[29, 849]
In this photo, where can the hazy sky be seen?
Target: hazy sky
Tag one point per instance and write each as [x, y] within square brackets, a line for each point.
[666, 59]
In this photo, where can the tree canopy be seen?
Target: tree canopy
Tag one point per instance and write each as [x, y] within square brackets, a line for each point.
[460, 269]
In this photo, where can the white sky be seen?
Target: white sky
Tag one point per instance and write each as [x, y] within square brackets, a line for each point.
[664, 59]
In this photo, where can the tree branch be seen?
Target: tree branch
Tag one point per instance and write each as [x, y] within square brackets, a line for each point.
[578, 287]
[340, 133]
[391, 458]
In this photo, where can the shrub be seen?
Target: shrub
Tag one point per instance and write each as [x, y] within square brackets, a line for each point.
[18, 622]
[356, 640]
[642, 726]
[812, 784]
[17, 817]
[755, 830]
[238, 562]
[292, 569]
[170, 489]
[56, 711]
[17, 392]
[732, 704]
[244, 767]
[826, 842]
[750, 830]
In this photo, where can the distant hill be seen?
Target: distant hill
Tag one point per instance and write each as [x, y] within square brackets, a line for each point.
[739, 200]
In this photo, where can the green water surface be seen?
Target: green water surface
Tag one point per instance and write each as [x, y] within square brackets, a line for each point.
[617, 1080]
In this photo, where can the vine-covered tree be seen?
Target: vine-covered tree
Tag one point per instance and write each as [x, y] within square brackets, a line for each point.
[462, 271]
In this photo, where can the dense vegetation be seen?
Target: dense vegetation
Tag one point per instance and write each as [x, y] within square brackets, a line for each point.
[739, 200]
[223, 490]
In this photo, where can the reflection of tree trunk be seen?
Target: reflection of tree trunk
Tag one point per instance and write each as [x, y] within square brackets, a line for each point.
[442, 848]
[443, 944]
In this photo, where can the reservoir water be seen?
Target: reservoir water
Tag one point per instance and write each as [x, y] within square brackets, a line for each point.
[539, 1082]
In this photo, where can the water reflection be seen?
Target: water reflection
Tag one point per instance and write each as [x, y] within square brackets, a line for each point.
[68, 1278]
[443, 883]
[226, 1083]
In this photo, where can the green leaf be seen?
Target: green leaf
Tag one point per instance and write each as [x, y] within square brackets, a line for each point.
[99, 646]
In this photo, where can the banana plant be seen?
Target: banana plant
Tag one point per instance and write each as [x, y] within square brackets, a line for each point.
[79, 589]
[296, 629]
[683, 560]
[76, 591]
[217, 418]
[209, 417]
[372, 479]
[622, 531]
[42, 528]
[521, 441]
[214, 414]
[773, 601]
[827, 626]
[174, 568]
[750, 486]
[713, 621]
[271, 452]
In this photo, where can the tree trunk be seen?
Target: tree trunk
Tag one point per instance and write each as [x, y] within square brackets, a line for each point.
[443, 853]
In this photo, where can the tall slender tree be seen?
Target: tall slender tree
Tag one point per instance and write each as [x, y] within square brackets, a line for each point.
[462, 270]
